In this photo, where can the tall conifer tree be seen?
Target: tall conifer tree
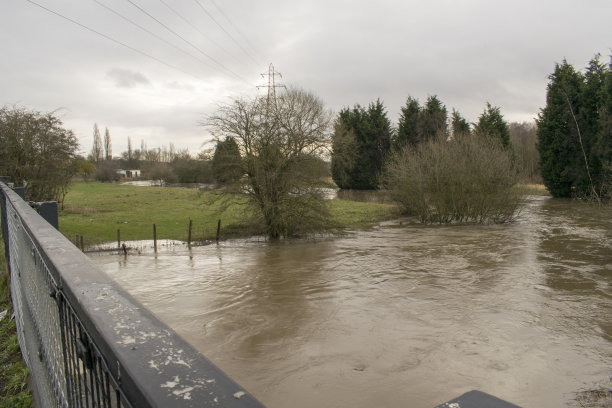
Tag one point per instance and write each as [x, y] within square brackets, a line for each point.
[492, 123]
[408, 125]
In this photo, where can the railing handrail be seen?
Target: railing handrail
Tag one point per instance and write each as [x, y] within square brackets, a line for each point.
[152, 365]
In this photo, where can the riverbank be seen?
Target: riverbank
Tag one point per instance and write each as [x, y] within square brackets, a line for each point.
[14, 391]
[97, 210]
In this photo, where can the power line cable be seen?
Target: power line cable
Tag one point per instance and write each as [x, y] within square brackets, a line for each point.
[153, 34]
[225, 31]
[244, 37]
[111, 39]
[186, 41]
[197, 29]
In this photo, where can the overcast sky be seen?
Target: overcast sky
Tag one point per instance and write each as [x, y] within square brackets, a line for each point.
[151, 69]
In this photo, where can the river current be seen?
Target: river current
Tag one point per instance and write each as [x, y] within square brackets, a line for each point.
[398, 314]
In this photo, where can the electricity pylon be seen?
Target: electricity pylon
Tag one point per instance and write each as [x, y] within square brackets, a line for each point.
[272, 85]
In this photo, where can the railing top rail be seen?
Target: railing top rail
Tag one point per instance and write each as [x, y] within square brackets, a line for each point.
[154, 366]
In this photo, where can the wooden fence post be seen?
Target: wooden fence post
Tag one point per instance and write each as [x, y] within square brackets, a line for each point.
[189, 234]
[155, 238]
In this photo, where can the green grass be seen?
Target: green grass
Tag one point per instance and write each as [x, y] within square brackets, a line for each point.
[14, 391]
[96, 210]
[533, 189]
[356, 213]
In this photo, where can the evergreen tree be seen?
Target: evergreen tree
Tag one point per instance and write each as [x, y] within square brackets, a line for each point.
[408, 125]
[226, 161]
[378, 144]
[492, 123]
[459, 125]
[361, 142]
[558, 139]
[433, 120]
[344, 152]
[588, 118]
[604, 139]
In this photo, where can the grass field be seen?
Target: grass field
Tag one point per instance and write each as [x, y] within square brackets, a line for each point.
[97, 210]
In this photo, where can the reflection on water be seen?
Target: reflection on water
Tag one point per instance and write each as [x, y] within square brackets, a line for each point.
[398, 315]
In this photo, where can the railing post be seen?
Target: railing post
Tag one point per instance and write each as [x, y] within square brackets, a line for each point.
[48, 210]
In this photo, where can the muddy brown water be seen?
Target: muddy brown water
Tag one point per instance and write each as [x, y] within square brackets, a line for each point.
[397, 315]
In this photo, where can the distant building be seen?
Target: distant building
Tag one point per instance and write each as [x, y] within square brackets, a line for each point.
[129, 173]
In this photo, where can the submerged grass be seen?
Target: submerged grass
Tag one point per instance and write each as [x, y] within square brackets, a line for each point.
[533, 189]
[14, 391]
[97, 210]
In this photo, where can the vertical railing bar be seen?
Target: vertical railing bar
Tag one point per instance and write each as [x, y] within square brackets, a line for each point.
[63, 326]
[93, 374]
[70, 360]
[68, 354]
[80, 378]
[75, 364]
[106, 390]
[88, 386]
[100, 381]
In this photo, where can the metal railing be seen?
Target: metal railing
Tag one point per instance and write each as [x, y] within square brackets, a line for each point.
[86, 342]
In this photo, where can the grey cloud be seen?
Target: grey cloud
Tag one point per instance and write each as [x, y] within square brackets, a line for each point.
[124, 78]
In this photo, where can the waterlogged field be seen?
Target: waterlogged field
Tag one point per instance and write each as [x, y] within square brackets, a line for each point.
[97, 210]
[399, 314]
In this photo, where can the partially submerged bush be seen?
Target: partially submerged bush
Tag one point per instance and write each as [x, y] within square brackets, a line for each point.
[469, 179]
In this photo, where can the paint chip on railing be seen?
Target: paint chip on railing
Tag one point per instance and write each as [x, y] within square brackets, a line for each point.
[171, 384]
[185, 393]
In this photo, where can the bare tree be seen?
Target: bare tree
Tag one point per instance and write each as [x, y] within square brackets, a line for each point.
[108, 150]
[523, 137]
[129, 150]
[281, 142]
[96, 149]
[37, 152]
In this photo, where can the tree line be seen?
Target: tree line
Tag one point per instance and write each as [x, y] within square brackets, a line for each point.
[165, 164]
[364, 138]
[280, 151]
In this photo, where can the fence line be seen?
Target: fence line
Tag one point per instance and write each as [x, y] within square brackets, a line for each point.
[87, 342]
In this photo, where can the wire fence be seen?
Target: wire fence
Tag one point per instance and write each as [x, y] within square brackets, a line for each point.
[86, 342]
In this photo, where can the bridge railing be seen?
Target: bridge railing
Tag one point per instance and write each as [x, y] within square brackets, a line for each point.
[86, 342]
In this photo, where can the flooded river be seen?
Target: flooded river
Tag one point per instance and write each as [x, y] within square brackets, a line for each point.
[399, 314]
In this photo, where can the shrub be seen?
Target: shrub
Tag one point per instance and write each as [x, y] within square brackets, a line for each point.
[470, 179]
[188, 170]
[106, 172]
[158, 171]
